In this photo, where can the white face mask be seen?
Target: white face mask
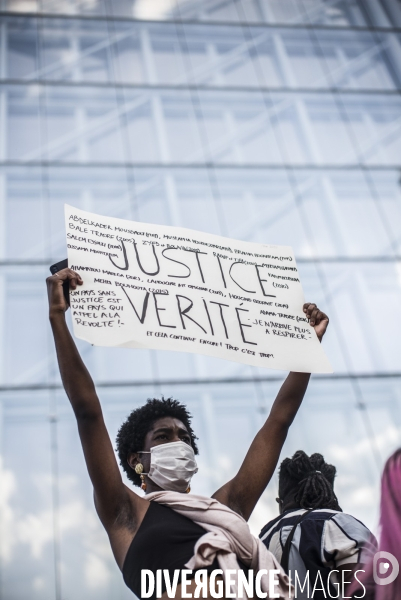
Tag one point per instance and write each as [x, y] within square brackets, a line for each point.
[172, 466]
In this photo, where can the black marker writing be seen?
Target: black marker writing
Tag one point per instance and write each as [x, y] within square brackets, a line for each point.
[144, 306]
[178, 262]
[236, 282]
[125, 268]
[222, 315]
[241, 325]
[208, 316]
[140, 264]
[183, 313]
[261, 281]
[158, 308]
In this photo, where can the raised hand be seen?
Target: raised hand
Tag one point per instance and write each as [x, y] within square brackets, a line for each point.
[318, 319]
[57, 303]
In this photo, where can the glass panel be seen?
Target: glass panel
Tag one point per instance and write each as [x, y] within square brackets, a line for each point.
[327, 12]
[355, 291]
[376, 125]
[23, 126]
[340, 13]
[150, 194]
[324, 130]
[83, 124]
[241, 128]
[131, 52]
[224, 10]
[294, 129]
[78, 123]
[337, 213]
[258, 206]
[164, 55]
[284, 11]
[22, 47]
[182, 122]
[86, 7]
[179, 197]
[94, 41]
[27, 358]
[343, 216]
[165, 123]
[105, 191]
[26, 214]
[59, 51]
[300, 59]
[357, 60]
[127, 50]
[387, 187]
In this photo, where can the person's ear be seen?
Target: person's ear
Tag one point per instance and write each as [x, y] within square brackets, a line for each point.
[133, 460]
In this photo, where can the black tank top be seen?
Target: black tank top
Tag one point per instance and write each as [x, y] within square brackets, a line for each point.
[165, 540]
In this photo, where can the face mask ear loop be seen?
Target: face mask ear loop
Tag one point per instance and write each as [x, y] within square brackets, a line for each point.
[140, 471]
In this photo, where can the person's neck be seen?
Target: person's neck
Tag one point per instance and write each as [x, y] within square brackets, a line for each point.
[152, 487]
[290, 506]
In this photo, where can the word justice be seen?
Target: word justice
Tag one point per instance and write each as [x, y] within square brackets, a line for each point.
[171, 252]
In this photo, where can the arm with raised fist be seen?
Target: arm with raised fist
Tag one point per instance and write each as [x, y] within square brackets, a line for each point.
[243, 491]
[112, 497]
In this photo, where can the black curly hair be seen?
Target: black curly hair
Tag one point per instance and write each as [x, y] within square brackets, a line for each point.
[307, 482]
[132, 433]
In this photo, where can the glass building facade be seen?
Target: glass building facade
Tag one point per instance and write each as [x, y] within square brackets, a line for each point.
[274, 121]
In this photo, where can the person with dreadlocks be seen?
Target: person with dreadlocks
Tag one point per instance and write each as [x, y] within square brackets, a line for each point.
[317, 544]
[167, 530]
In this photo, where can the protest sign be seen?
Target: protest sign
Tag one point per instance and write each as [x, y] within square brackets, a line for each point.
[154, 286]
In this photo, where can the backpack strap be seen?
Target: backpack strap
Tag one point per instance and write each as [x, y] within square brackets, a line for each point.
[285, 557]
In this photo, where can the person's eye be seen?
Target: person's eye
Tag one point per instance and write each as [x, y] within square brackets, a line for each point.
[161, 436]
[186, 439]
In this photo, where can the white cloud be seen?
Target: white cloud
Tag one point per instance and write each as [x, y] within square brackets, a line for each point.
[97, 573]
[265, 510]
[35, 528]
[384, 442]
[38, 584]
[156, 9]
[8, 488]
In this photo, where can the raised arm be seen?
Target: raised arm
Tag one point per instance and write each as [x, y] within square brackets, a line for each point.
[110, 491]
[243, 491]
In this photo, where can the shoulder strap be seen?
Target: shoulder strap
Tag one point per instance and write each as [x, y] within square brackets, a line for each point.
[285, 557]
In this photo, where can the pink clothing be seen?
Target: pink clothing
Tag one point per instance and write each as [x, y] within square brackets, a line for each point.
[228, 537]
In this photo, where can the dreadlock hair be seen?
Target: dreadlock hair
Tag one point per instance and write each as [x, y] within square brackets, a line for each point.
[307, 482]
[132, 433]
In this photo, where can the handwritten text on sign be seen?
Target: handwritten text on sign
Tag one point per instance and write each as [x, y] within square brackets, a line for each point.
[153, 286]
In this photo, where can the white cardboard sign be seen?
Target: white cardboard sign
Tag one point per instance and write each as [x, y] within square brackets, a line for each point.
[154, 286]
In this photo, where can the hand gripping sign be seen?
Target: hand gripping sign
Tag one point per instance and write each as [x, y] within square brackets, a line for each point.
[154, 286]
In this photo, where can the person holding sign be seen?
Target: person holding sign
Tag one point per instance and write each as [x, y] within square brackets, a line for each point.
[167, 532]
